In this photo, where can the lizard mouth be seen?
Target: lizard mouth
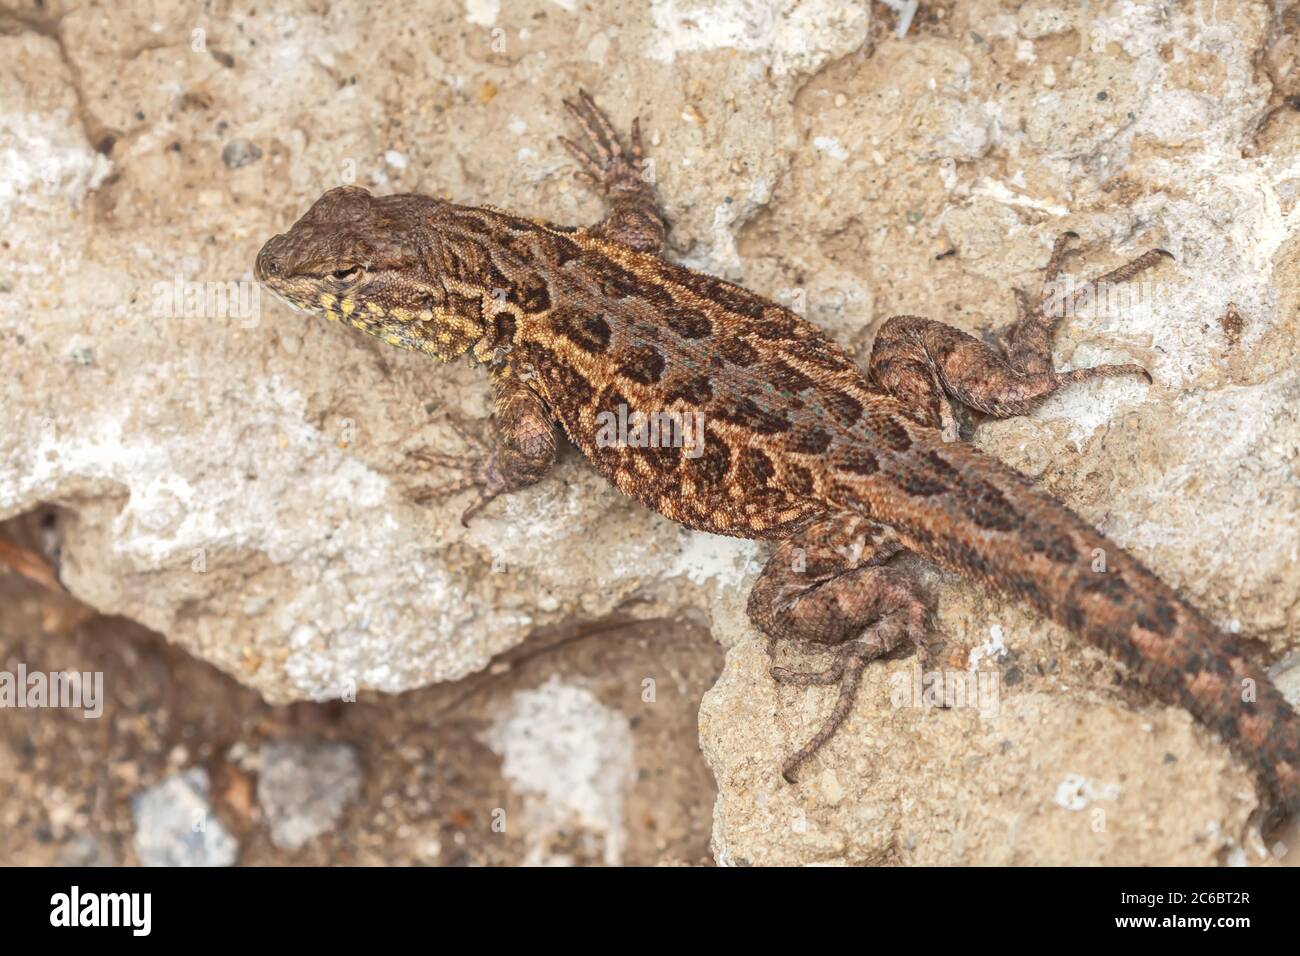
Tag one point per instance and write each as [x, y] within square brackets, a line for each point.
[296, 306]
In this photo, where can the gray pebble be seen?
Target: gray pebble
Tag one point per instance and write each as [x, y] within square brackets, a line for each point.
[174, 825]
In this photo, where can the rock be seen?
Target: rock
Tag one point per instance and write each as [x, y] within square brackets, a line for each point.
[571, 758]
[84, 849]
[240, 479]
[174, 825]
[48, 160]
[303, 788]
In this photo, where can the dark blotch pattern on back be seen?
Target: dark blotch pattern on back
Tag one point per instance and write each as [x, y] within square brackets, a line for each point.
[776, 325]
[810, 440]
[588, 332]
[688, 323]
[749, 414]
[663, 459]
[922, 484]
[567, 381]
[893, 435]
[855, 460]
[756, 467]
[643, 364]
[731, 297]
[531, 295]
[692, 391]
[709, 470]
[615, 282]
[1057, 548]
[785, 377]
[799, 479]
[845, 409]
[737, 352]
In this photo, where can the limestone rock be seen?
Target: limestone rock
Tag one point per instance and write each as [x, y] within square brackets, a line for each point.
[239, 478]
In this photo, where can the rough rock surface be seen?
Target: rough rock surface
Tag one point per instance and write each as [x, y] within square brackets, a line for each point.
[238, 479]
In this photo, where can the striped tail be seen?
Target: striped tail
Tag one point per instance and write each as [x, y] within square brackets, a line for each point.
[962, 509]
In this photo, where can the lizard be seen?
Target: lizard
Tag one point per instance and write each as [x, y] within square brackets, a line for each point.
[843, 469]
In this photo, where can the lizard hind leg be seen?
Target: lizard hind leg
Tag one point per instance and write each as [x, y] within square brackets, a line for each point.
[825, 588]
[923, 362]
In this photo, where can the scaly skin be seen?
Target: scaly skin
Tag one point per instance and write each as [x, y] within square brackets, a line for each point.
[845, 469]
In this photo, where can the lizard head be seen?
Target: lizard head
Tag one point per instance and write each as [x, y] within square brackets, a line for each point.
[365, 260]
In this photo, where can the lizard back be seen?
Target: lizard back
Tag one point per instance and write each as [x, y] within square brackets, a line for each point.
[611, 332]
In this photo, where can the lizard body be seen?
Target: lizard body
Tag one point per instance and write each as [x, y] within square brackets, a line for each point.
[797, 444]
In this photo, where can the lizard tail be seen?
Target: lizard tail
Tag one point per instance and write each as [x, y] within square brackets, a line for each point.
[962, 509]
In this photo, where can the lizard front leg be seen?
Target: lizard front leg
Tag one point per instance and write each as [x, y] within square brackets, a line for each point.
[825, 586]
[634, 218]
[922, 361]
[522, 449]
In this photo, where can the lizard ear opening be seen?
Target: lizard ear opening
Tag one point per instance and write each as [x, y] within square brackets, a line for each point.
[349, 272]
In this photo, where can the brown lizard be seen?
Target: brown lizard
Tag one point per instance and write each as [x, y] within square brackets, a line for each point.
[799, 446]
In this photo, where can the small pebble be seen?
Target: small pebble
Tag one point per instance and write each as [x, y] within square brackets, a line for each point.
[240, 152]
[174, 825]
[303, 789]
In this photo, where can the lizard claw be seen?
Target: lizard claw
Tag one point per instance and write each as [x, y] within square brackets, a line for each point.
[480, 473]
[605, 161]
[466, 432]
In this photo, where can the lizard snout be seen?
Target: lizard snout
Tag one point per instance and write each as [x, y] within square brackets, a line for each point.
[267, 264]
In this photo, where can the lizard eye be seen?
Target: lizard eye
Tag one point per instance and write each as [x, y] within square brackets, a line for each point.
[347, 273]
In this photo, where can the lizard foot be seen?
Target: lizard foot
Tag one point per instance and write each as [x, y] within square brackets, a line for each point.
[480, 470]
[1028, 344]
[826, 588]
[846, 670]
[625, 178]
[606, 165]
